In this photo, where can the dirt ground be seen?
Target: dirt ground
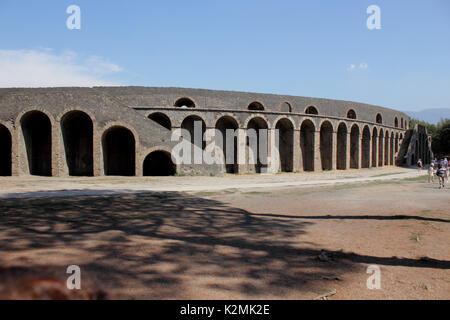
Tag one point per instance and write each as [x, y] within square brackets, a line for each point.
[280, 242]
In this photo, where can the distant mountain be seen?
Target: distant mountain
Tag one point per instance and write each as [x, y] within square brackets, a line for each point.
[430, 115]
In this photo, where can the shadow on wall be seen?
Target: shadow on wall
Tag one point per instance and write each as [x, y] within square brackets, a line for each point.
[158, 244]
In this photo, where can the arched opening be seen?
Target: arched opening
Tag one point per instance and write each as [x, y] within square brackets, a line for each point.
[365, 145]
[77, 131]
[119, 148]
[351, 114]
[374, 147]
[307, 131]
[396, 122]
[341, 152]
[159, 163]
[37, 133]
[161, 119]
[326, 145]
[354, 147]
[380, 149]
[257, 145]
[255, 105]
[311, 110]
[229, 143]
[184, 103]
[386, 149]
[286, 107]
[379, 119]
[401, 121]
[191, 123]
[286, 145]
[5, 151]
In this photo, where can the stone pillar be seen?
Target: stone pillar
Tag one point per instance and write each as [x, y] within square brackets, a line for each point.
[273, 154]
[298, 161]
[334, 142]
[370, 151]
[317, 160]
[347, 153]
[241, 150]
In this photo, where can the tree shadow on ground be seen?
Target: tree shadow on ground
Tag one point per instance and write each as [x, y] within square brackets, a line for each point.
[162, 244]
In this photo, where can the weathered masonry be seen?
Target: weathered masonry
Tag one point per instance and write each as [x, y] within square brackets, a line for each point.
[127, 131]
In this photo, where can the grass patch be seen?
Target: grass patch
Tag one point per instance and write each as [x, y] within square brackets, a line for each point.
[256, 192]
[419, 178]
[416, 237]
[387, 174]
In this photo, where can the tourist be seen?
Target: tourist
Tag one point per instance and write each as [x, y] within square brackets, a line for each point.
[446, 168]
[419, 165]
[431, 173]
[441, 173]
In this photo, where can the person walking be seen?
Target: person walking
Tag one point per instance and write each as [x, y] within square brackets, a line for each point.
[441, 173]
[419, 165]
[431, 173]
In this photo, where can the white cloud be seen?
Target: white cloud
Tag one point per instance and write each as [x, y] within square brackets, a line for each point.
[362, 66]
[43, 68]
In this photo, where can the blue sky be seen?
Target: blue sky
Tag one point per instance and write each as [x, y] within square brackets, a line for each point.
[304, 48]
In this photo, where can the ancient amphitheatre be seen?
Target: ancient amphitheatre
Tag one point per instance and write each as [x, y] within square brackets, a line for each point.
[81, 191]
[126, 131]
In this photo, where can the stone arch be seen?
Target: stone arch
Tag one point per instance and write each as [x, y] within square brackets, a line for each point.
[189, 123]
[311, 110]
[379, 118]
[37, 133]
[229, 143]
[77, 131]
[159, 163]
[396, 122]
[341, 150]
[162, 119]
[307, 133]
[228, 115]
[351, 114]
[257, 137]
[365, 148]
[185, 102]
[285, 129]
[285, 107]
[354, 147]
[401, 122]
[380, 148]
[255, 106]
[326, 145]
[374, 147]
[5, 151]
[119, 151]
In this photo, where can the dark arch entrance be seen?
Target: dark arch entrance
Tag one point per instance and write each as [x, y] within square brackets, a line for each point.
[257, 126]
[374, 147]
[307, 132]
[189, 125]
[5, 151]
[161, 119]
[354, 147]
[37, 133]
[341, 161]
[326, 145]
[119, 152]
[159, 163]
[223, 124]
[77, 130]
[365, 156]
[286, 145]
[184, 103]
[380, 149]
